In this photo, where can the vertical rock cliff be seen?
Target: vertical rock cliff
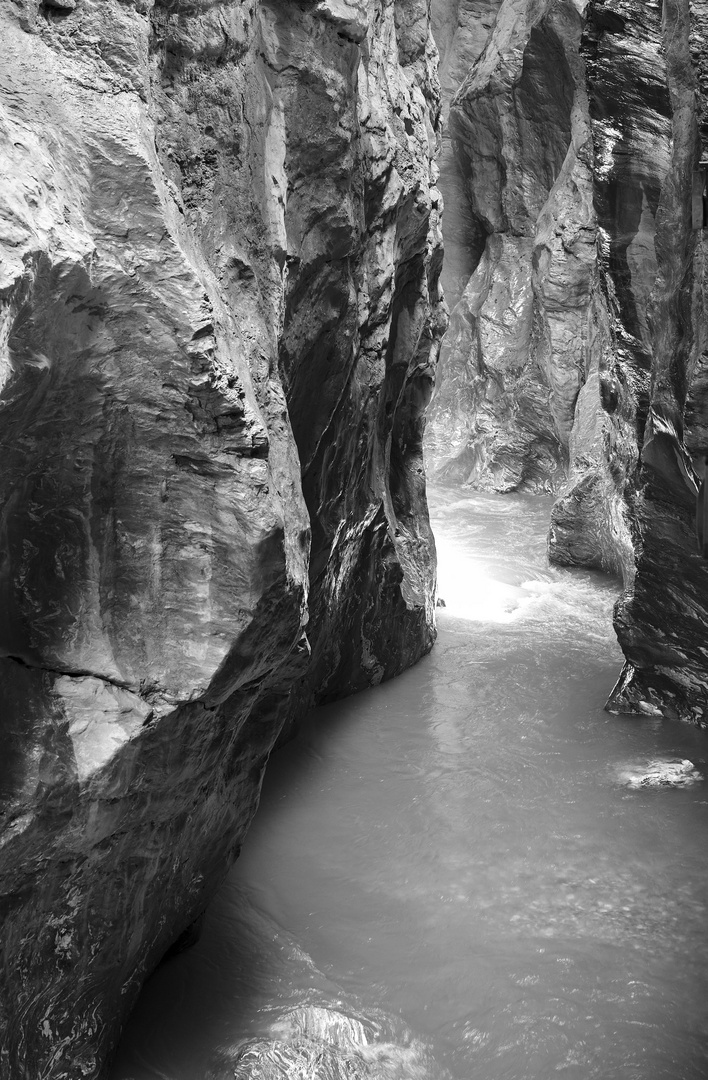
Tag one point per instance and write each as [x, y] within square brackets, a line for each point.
[575, 359]
[650, 200]
[220, 318]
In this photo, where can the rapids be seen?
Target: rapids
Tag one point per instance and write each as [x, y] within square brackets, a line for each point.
[461, 870]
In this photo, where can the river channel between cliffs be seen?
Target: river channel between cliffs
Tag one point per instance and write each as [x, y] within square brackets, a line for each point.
[464, 861]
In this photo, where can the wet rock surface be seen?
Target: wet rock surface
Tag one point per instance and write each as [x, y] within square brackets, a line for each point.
[221, 314]
[330, 1044]
[575, 357]
[663, 774]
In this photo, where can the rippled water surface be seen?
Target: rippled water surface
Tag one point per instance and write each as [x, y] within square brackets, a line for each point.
[461, 851]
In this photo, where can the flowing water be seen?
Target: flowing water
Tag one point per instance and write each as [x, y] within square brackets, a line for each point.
[463, 860]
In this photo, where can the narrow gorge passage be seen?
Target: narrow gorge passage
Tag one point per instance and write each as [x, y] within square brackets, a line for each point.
[258, 257]
[458, 858]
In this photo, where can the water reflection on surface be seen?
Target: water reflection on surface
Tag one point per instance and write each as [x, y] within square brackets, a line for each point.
[460, 848]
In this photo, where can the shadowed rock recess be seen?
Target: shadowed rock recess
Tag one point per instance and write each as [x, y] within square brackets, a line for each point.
[221, 315]
[575, 361]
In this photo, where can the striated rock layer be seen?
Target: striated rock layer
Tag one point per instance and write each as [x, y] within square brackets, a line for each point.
[575, 359]
[220, 304]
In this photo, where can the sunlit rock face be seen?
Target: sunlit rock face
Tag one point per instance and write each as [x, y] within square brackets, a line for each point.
[530, 327]
[221, 313]
[503, 410]
[574, 360]
[655, 262]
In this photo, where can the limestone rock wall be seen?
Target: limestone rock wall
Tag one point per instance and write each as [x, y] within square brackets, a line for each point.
[575, 358]
[661, 620]
[512, 126]
[220, 318]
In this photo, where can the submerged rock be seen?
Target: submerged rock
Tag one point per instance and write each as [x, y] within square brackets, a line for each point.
[221, 314]
[661, 774]
[319, 1043]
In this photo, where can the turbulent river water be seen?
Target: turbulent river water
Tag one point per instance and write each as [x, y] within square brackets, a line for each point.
[463, 861]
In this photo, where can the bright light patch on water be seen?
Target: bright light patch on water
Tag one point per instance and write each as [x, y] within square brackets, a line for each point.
[471, 589]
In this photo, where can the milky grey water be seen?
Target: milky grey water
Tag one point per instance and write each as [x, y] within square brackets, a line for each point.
[460, 851]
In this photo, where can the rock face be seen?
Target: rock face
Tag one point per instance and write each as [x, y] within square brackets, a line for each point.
[510, 121]
[575, 359]
[221, 313]
[655, 262]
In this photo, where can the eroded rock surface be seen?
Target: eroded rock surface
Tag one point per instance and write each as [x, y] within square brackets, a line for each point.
[221, 313]
[511, 127]
[575, 357]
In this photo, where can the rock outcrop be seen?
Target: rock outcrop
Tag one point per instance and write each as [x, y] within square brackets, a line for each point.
[575, 359]
[221, 313]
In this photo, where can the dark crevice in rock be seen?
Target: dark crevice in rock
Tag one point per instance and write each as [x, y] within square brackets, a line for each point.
[70, 673]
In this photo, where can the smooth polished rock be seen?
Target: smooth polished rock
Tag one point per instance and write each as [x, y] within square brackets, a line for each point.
[508, 407]
[220, 242]
[653, 262]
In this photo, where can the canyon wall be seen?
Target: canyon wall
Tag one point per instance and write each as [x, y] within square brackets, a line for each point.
[575, 358]
[219, 231]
